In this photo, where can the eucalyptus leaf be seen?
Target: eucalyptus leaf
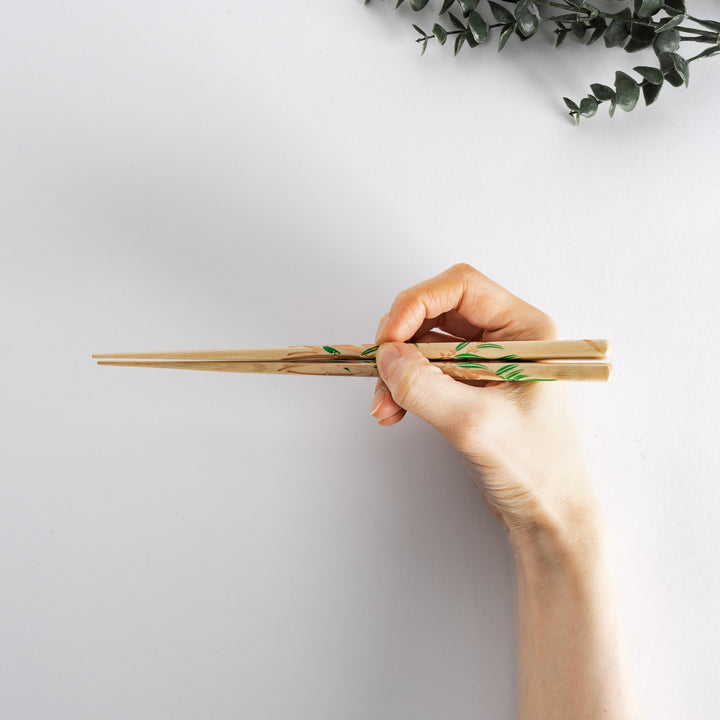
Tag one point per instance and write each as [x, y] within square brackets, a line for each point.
[478, 27]
[572, 106]
[501, 14]
[440, 33]
[675, 7]
[505, 33]
[468, 5]
[446, 6]
[561, 35]
[647, 8]
[578, 30]
[420, 30]
[626, 90]
[528, 18]
[667, 41]
[650, 92]
[670, 22]
[619, 29]
[459, 40]
[653, 75]
[602, 92]
[418, 4]
[456, 21]
[588, 106]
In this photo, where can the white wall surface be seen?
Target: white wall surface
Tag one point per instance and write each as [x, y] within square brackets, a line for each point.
[219, 174]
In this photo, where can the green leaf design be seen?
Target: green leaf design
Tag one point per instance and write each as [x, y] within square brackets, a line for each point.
[478, 27]
[478, 366]
[627, 91]
[501, 14]
[370, 350]
[461, 345]
[331, 350]
[506, 368]
[490, 345]
[440, 33]
[508, 357]
[348, 369]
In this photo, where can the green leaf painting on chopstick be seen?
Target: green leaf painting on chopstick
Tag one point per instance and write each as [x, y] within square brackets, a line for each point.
[477, 366]
[331, 350]
[507, 357]
[370, 350]
[461, 345]
[490, 345]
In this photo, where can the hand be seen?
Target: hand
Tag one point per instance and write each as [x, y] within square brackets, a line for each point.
[518, 440]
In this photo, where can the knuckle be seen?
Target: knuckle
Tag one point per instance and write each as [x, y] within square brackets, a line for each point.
[464, 269]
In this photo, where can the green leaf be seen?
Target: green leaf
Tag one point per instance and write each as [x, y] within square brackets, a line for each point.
[470, 356]
[456, 22]
[478, 27]
[675, 7]
[578, 30]
[331, 350]
[650, 92]
[561, 35]
[419, 30]
[641, 37]
[468, 5]
[618, 30]
[490, 345]
[446, 6]
[424, 46]
[588, 106]
[398, 3]
[602, 92]
[508, 357]
[370, 350]
[473, 365]
[714, 50]
[647, 8]
[600, 26]
[505, 33]
[459, 40]
[572, 106]
[675, 69]
[667, 41]
[418, 4]
[501, 14]
[528, 18]
[670, 23]
[461, 345]
[652, 74]
[627, 91]
[440, 33]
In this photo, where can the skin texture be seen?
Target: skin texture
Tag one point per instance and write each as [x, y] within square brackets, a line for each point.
[520, 444]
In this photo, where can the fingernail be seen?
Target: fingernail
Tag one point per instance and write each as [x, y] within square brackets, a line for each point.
[380, 395]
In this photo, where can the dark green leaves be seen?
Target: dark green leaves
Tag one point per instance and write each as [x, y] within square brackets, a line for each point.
[505, 33]
[652, 74]
[603, 92]
[627, 91]
[675, 69]
[647, 8]
[478, 27]
[418, 4]
[667, 41]
[468, 6]
[500, 13]
[440, 33]
[619, 29]
[527, 17]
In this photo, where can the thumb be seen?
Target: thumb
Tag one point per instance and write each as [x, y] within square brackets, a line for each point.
[423, 389]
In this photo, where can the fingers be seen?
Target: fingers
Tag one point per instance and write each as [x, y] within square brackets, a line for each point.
[464, 302]
[423, 389]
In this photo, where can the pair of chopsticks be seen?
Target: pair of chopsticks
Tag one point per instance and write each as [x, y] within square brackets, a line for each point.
[517, 360]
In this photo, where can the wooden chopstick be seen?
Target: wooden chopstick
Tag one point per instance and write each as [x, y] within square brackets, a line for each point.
[472, 370]
[463, 351]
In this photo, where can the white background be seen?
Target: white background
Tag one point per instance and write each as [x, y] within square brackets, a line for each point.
[217, 174]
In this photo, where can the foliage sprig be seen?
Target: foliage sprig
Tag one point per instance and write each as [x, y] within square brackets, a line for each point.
[663, 25]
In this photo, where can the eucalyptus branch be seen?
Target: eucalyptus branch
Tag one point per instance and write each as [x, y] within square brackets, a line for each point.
[640, 24]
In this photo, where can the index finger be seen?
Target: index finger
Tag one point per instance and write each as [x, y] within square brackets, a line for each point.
[463, 301]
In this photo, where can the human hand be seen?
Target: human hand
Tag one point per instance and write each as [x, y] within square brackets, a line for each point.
[518, 440]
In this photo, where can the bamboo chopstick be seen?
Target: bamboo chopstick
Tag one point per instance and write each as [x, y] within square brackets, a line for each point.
[529, 371]
[508, 350]
[509, 361]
